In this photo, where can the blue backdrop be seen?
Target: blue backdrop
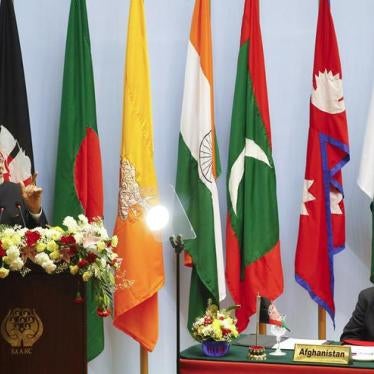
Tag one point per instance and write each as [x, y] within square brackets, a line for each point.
[288, 28]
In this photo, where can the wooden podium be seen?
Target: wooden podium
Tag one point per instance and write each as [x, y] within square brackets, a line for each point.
[42, 330]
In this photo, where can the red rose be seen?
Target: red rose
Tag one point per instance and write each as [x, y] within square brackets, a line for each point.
[207, 321]
[225, 331]
[2, 250]
[72, 250]
[91, 257]
[82, 263]
[67, 239]
[103, 312]
[32, 237]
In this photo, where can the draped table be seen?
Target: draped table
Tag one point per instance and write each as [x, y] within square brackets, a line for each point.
[192, 361]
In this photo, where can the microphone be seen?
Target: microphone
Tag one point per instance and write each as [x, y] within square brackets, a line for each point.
[19, 207]
[1, 213]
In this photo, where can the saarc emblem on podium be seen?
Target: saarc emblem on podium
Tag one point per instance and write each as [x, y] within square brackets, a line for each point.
[21, 328]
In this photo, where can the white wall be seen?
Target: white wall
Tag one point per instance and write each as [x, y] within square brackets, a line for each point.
[288, 36]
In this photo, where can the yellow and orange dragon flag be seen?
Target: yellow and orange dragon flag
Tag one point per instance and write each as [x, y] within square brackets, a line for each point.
[136, 307]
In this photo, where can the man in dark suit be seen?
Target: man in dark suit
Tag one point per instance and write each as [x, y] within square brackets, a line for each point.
[20, 204]
[361, 324]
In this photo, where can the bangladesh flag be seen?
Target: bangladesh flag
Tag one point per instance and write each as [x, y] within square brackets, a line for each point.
[78, 186]
[253, 262]
[198, 168]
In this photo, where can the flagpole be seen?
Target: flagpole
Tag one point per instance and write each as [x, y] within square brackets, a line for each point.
[178, 245]
[262, 329]
[143, 360]
[321, 323]
[258, 303]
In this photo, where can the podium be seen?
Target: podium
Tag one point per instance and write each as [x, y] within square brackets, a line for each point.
[42, 330]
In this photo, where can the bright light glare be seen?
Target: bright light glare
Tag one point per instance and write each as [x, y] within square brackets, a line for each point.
[157, 218]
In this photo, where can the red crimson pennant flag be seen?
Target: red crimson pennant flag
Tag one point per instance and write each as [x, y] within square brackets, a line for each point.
[322, 217]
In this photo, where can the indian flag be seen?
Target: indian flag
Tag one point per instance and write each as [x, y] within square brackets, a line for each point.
[198, 168]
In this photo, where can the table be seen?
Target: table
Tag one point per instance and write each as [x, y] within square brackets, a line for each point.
[192, 361]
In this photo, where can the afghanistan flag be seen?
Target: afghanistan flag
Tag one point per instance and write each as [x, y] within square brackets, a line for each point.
[15, 135]
[322, 217]
[78, 184]
[366, 175]
[253, 262]
[136, 308]
[269, 314]
[198, 168]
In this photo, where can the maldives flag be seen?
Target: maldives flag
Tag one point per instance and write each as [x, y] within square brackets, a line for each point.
[198, 168]
[322, 218]
[78, 184]
[253, 262]
[15, 134]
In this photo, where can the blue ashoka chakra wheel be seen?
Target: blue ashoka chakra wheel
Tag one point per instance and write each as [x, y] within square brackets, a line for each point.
[206, 157]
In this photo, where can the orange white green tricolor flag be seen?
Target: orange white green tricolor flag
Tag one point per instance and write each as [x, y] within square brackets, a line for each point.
[136, 307]
[198, 168]
[253, 263]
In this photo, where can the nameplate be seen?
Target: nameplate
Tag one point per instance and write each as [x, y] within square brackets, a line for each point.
[323, 354]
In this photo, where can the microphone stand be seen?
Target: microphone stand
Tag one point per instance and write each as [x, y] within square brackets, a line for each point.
[178, 245]
[18, 206]
[1, 213]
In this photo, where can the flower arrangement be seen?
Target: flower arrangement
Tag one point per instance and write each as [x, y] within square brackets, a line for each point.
[83, 248]
[215, 325]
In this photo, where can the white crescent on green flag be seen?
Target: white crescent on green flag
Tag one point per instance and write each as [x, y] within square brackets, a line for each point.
[198, 167]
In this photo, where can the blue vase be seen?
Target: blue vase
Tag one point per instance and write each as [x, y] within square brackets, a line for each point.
[212, 348]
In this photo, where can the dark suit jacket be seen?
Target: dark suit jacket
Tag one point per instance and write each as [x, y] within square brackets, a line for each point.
[361, 324]
[13, 208]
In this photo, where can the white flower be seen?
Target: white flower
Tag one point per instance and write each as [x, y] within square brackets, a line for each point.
[51, 234]
[103, 233]
[13, 253]
[90, 241]
[83, 219]
[16, 264]
[49, 267]
[71, 224]
[9, 231]
[79, 237]
[41, 258]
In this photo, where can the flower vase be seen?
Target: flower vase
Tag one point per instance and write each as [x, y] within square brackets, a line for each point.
[212, 348]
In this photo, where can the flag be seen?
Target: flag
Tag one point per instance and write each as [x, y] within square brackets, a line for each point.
[79, 181]
[136, 307]
[269, 314]
[15, 134]
[199, 166]
[322, 217]
[366, 173]
[253, 262]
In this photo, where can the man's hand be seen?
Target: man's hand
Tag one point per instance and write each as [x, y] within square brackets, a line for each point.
[32, 195]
